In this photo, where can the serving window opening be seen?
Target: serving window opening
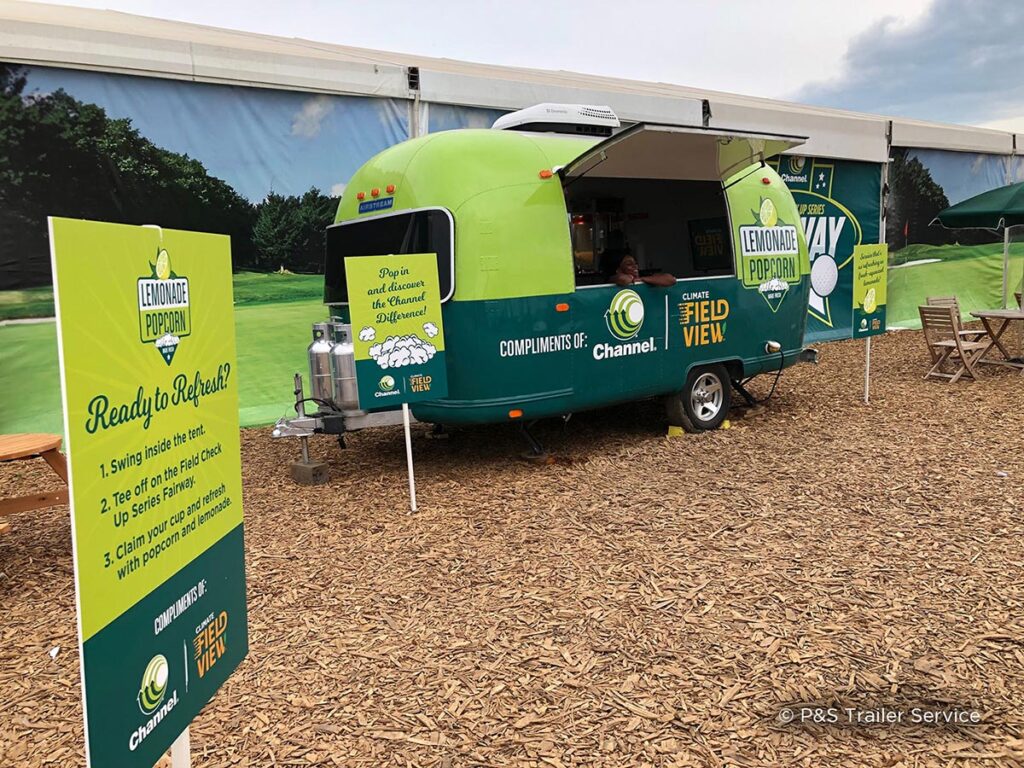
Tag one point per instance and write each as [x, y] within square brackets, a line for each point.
[678, 227]
[421, 231]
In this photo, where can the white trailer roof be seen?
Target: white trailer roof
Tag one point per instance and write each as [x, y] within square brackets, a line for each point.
[64, 36]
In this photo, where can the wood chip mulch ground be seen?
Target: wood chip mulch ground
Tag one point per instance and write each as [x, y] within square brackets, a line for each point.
[643, 601]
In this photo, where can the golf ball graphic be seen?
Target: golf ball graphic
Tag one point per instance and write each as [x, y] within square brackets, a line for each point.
[625, 315]
[154, 684]
[824, 275]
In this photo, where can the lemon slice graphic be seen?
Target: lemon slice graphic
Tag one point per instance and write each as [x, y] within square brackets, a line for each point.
[769, 216]
[869, 301]
[163, 265]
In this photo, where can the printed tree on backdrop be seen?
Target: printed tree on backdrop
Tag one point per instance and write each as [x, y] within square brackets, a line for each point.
[63, 157]
[914, 199]
[290, 232]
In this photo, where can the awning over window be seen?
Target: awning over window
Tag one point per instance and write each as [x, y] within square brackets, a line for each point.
[648, 151]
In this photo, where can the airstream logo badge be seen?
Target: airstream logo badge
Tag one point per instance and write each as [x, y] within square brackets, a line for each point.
[625, 315]
[165, 316]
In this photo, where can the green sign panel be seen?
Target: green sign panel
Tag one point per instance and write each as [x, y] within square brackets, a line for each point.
[147, 352]
[395, 304]
[870, 269]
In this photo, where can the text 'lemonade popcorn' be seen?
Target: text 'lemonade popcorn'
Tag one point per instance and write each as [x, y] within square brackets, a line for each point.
[430, 329]
[399, 351]
[367, 334]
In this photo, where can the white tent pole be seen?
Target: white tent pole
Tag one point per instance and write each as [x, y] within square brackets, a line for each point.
[408, 457]
[1006, 263]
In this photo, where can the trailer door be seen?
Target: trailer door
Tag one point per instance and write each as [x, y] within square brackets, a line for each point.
[647, 151]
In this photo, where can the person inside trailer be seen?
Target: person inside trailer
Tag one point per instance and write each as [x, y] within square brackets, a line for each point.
[628, 273]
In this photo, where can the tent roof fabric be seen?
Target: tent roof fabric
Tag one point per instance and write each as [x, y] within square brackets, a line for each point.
[994, 209]
[64, 36]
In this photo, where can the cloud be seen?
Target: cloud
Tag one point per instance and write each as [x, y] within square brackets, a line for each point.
[306, 122]
[960, 62]
[337, 190]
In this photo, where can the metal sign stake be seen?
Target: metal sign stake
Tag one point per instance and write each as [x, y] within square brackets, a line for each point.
[181, 751]
[408, 457]
[867, 369]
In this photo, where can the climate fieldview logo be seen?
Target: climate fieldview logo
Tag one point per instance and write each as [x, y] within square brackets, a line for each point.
[154, 685]
[164, 312]
[625, 315]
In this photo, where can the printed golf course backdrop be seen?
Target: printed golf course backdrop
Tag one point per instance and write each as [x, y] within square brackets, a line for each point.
[147, 347]
[870, 268]
[395, 302]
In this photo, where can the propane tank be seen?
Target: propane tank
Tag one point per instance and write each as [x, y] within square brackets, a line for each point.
[319, 354]
[343, 367]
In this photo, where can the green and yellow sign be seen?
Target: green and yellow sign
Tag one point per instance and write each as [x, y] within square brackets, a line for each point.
[147, 353]
[395, 306]
[870, 270]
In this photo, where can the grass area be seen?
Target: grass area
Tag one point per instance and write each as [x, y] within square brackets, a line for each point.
[974, 274]
[271, 338]
[916, 252]
[249, 288]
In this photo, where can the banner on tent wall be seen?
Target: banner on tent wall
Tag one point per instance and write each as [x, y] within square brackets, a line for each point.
[929, 260]
[264, 166]
[147, 338]
[839, 203]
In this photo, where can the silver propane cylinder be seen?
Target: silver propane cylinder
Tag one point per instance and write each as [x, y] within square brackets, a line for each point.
[343, 366]
[320, 380]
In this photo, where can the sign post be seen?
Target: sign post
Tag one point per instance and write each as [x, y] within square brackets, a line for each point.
[145, 330]
[870, 271]
[395, 305]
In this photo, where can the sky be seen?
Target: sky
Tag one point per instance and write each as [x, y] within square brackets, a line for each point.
[946, 60]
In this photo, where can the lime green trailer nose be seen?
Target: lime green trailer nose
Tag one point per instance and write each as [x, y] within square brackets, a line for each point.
[530, 231]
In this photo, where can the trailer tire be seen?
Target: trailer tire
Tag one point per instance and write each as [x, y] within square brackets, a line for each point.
[704, 402]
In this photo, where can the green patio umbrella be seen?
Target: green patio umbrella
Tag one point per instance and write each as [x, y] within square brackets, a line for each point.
[995, 209]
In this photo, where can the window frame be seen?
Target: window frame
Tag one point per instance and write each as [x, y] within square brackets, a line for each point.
[405, 212]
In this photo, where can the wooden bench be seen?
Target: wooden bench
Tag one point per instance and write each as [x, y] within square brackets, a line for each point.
[20, 447]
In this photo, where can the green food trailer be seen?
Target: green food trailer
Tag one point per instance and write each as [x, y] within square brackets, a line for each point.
[529, 227]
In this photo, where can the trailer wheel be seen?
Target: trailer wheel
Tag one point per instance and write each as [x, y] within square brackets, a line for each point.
[704, 402]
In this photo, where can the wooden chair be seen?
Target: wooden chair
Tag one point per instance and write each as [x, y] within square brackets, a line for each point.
[976, 334]
[17, 447]
[946, 344]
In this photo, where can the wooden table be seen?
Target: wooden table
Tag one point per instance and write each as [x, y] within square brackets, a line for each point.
[19, 447]
[1003, 317]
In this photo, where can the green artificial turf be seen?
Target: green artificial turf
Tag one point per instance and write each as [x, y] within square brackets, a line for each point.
[973, 273]
[249, 288]
[271, 339]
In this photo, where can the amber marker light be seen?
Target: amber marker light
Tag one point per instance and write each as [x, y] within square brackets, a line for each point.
[765, 180]
[390, 188]
[561, 307]
[515, 413]
[375, 191]
[360, 195]
[546, 174]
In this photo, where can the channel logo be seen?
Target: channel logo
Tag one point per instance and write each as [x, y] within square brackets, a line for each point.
[386, 383]
[154, 685]
[625, 315]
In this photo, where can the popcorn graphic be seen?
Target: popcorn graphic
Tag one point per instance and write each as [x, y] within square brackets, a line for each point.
[167, 345]
[367, 334]
[430, 329]
[399, 351]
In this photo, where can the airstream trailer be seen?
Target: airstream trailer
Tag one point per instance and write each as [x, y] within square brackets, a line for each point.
[531, 228]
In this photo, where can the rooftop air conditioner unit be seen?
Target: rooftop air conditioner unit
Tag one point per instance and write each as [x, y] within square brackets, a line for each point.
[573, 119]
